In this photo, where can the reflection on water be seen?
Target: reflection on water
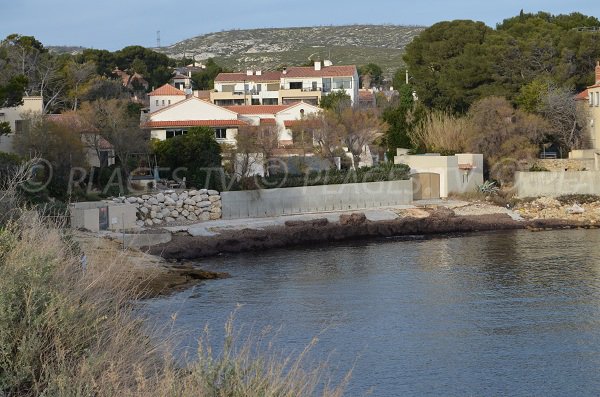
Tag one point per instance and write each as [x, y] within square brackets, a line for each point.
[489, 314]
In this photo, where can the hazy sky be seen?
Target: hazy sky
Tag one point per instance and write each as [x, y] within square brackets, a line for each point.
[112, 24]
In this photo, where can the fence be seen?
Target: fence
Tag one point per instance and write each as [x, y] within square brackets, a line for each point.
[299, 200]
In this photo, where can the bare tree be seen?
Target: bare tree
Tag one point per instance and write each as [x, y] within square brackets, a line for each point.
[254, 145]
[358, 128]
[112, 122]
[566, 121]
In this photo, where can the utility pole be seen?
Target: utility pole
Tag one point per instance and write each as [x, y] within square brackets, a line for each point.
[158, 38]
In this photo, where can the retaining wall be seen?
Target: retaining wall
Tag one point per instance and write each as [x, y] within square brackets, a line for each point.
[533, 184]
[298, 200]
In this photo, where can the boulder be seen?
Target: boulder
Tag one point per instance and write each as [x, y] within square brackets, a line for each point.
[214, 217]
[169, 201]
[149, 222]
[157, 221]
[144, 210]
[354, 219]
[179, 203]
[169, 219]
[575, 209]
[160, 197]
[205, 216]
[203, 204]
[212, 199]
[202, 191]
[152, 201]
[174, 214]
[193, 193]
[189, 201]
[155, 208]
[192, 217]
[140, 223]
[132, 200]
[185, 213]
[184, 196]
[145, 197]
[212, 192]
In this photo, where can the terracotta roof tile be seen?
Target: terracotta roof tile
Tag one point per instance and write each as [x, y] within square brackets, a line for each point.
[195, 123]
[290, 123]
[239, 76]
[582, 96]
[327, 71]
[267, 121]
[257, 109]
[166, 89]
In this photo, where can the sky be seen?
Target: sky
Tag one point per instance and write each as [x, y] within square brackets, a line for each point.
[114, 24]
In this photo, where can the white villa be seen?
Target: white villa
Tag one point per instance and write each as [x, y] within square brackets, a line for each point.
[308, 84]
[189, 111]
[15, 117]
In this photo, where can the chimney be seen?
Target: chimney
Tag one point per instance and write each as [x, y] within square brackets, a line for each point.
[597, 72]
[284, 71]
[327, 63]
[248, 72]
[259, 72]
[189, 73]
[317, 65]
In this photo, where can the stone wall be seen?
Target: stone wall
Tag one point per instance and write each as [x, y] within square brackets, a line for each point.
[566, 164]
[170, 206]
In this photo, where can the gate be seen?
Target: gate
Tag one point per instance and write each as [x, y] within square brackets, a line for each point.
[426, 185]
[103, 218]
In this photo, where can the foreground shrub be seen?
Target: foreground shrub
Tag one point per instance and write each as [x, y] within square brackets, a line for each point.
[69, 328]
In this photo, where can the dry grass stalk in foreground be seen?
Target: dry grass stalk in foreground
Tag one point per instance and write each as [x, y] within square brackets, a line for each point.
[65, 332]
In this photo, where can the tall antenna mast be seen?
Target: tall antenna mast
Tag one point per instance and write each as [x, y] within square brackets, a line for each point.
[158, 38]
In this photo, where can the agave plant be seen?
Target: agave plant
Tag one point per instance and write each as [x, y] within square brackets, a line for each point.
[488, 188]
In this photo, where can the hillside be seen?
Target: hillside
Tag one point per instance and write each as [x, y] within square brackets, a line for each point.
[270, 48]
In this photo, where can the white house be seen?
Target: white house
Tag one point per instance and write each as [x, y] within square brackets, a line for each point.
[193, 112]
[277, 115]
[15, 116]
[309, 83]
[250, 88]
[165, 96]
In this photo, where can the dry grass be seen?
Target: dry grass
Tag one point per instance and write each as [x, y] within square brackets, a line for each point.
[69, 332]
[444, 133]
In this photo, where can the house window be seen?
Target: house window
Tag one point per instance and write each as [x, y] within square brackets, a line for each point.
[157, 102]
[342, 83]
[258, 87]
[174, 133]
[326, 84]
[255, 101]
[169, 101]
[270, 101]
[21, 126]
[163, 102]
[220, 133]
[296, 85]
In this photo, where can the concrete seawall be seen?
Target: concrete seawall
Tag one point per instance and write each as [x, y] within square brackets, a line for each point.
[298, 200]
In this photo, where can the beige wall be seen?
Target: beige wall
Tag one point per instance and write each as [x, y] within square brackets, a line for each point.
[452, 178]
[164, 101]
[32, 104]
[593, 106]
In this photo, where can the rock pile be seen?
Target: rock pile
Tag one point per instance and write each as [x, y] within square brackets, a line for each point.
[550, 208]
[170, 206]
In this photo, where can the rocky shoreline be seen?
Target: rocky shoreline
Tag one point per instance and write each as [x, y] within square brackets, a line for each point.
[350, 227]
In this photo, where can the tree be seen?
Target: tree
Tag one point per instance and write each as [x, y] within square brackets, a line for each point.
[197, 152]
[336, 101]
[254, 145]
[370, 75]
[358, 128]
[508, 138]
[402, 116]
[113, 121]
[205, 79]
[78, 78]
[450, 64]
[57, 143]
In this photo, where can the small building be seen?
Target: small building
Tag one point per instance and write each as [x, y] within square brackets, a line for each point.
[165, 96]
[589, 102]
[99, 215]
[436, 176]
[17, 119]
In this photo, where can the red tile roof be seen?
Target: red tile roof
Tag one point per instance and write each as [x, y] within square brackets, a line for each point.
[265, 76]
[267, 121]
[582, 96]
[257, 109]
[327, 71]
[195, 123]
[166, 89]
[290, 123]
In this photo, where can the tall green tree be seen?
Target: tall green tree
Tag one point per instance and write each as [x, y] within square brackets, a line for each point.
[450, 64]
[205, 79]
[370, 75]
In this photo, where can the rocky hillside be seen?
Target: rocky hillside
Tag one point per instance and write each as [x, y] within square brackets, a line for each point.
[270, 48]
